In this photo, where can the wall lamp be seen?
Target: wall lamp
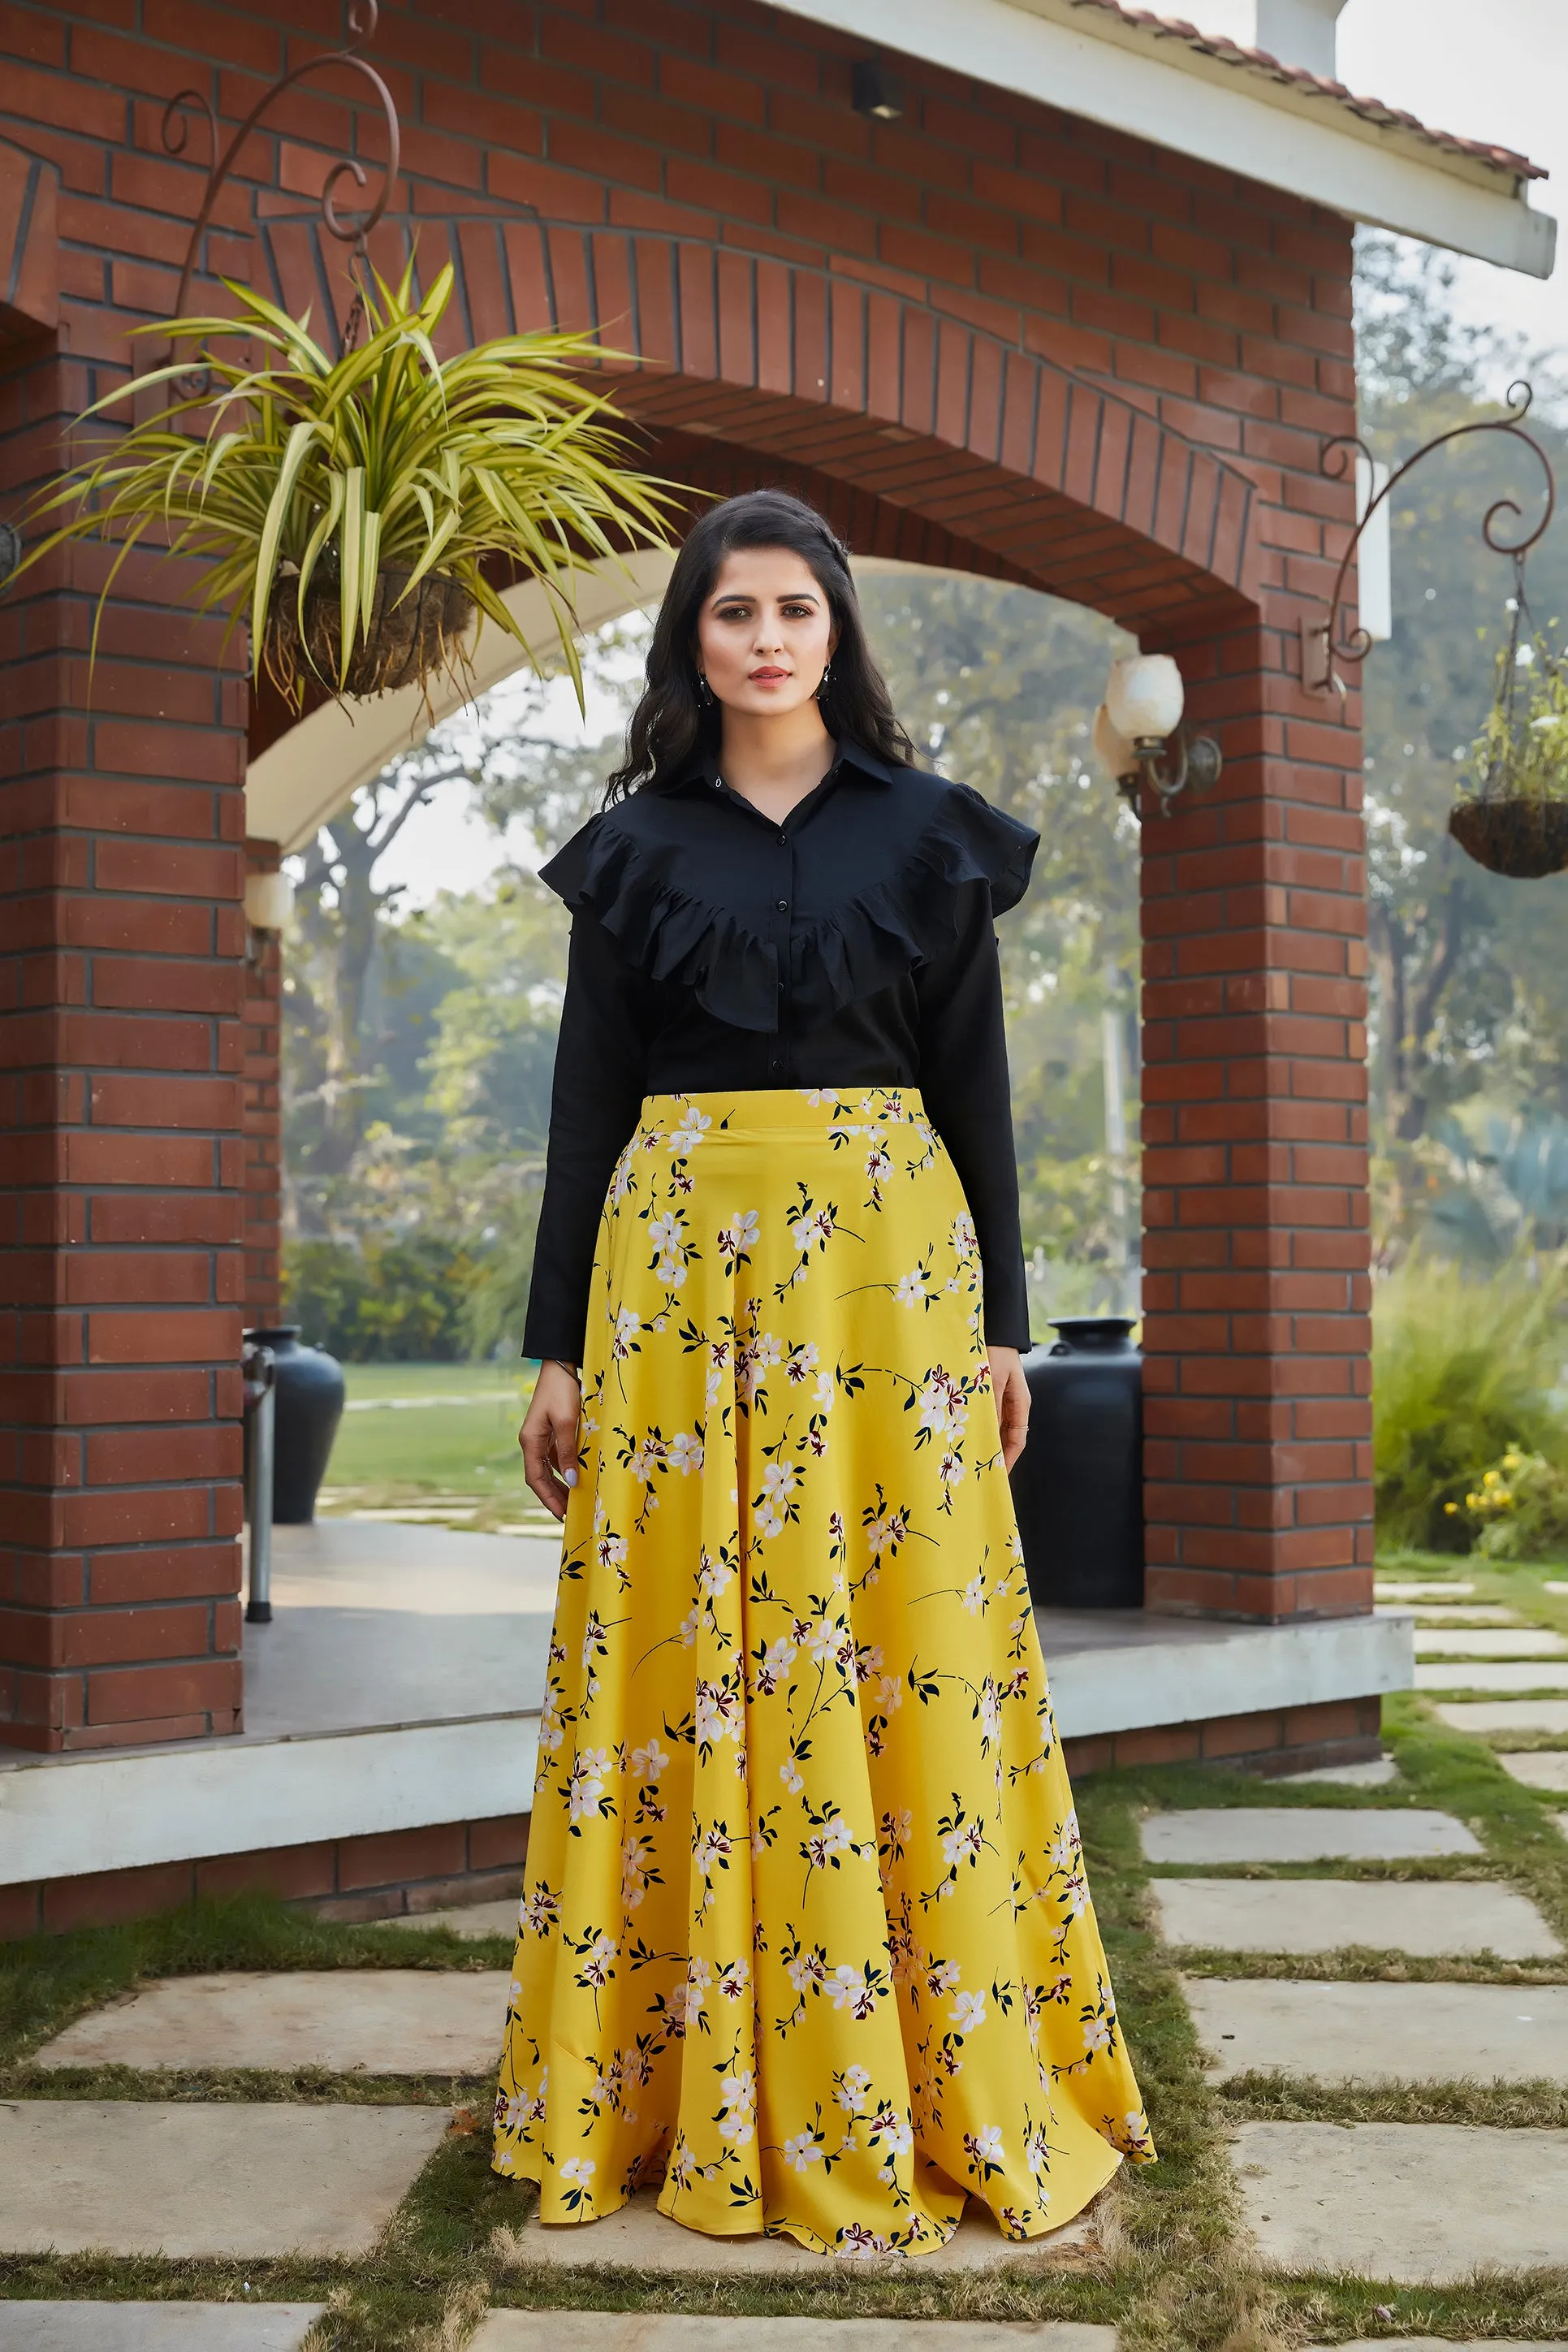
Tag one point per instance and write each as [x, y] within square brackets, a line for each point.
[875, 92]
[1132, 727]
[268, 903]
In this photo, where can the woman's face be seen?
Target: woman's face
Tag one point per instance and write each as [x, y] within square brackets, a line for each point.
[766, 632]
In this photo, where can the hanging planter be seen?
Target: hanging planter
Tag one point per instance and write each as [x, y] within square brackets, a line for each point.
[1515, 821]
[351, 509]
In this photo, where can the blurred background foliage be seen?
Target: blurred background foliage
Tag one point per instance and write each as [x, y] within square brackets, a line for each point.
[419, 1042]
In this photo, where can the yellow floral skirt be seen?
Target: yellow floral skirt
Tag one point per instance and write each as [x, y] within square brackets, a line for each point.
[805, 1936]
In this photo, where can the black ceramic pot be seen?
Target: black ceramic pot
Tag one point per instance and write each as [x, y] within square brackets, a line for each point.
[310, 1389]
[1077, 1486]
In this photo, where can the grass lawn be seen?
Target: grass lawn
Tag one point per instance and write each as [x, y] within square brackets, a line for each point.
[433, 1436]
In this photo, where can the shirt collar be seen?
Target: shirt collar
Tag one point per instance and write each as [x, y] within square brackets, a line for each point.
[849, 761]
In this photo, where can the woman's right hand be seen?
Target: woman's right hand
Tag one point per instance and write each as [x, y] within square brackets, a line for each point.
[549, 1436]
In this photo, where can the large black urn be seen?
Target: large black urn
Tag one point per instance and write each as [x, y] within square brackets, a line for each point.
[1077, 1486]
[310, 1389]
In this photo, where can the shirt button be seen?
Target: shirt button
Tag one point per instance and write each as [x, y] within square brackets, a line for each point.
[783, 836]
[783, 906]
[776, 1062]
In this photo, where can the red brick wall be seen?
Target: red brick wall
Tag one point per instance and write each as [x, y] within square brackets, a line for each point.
[121, 820]
[988, 333]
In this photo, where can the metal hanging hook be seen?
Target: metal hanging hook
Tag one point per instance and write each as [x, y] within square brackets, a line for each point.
[1320, 647]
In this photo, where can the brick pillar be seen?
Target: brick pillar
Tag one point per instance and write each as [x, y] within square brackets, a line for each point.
[121, 978]
[263, 1110]
[1257, 1379]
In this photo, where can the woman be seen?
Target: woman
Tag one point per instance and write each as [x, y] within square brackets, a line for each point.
[805, 1938]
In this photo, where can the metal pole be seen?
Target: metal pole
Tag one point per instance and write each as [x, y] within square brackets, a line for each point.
[261, 1396]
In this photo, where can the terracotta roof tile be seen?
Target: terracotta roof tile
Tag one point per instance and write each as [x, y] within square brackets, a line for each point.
[1371, 109]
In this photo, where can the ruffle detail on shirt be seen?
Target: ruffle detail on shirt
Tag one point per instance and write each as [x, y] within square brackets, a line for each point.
[868, 944]
[914, 915]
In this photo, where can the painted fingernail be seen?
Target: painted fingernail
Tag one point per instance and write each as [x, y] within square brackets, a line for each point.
[571, 1477]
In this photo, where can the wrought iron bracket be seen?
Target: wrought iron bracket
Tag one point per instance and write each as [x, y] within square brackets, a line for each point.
[1323, 646]
[351, 229]
[1198, 765]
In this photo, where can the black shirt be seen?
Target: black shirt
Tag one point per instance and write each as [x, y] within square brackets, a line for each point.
[714, 949]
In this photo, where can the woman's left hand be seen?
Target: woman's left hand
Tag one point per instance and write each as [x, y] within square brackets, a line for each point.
[1013, 1400]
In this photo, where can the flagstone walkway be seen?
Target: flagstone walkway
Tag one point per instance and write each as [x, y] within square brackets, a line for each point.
[1340, 1940]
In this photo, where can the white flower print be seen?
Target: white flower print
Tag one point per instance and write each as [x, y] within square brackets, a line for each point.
[648, 1762]
[595, 1970]
[718, 1712]
[694, 1124]
[628, 1323]
[969, 2011]
[737, 2120]
[686, 1452]
[911, 1288]
[589, 1768]
[962, 1843]
[579, 2168]
[802, 2150]
[832, 1838]
[850, 2089]
[734, 1979]
[738, 1239]
[985, 2147]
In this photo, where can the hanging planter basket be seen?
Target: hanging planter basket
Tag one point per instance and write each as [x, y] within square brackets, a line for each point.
[1515, 821]
[1521, 835]
[407, 638]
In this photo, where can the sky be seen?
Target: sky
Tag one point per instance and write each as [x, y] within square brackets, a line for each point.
[1491, 69]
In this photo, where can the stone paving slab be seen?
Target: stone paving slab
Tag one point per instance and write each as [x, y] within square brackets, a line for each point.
[190, 2182]
[1382, 2032]
[1418, 2204]
[1303, 1833]
[642, 2238]
[470, 1919]
[1488, 1642]
[1467, 1613]
[1376, 1773]
[1457, 1675]
[1441, 2343]
[1483, 1716]
[245, 2326]
[1547, 1769]
[1420, 1589]
[644, 2331]
[350, 2021]
[1325, 1915]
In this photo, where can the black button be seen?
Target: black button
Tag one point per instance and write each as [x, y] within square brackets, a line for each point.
[783, 906]
[776, 1062]
[783, 836]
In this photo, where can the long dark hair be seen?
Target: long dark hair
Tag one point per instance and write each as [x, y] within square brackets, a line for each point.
[672, 722]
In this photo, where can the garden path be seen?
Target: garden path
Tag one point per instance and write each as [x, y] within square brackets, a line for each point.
[1373, 1965]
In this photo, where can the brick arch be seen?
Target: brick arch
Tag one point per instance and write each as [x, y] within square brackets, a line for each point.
[949, 444]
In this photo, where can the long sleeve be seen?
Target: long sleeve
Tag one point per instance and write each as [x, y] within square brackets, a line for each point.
[965, 1086]
[600, 1070]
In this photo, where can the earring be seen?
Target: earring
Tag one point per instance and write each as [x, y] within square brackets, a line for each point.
[705, 692]
[827, 679]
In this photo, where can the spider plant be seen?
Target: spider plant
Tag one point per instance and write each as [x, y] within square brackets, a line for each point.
[339, 500]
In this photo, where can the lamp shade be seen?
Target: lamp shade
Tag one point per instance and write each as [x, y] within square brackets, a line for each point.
[1143, 696]
[268, 901]
[1114, 751]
